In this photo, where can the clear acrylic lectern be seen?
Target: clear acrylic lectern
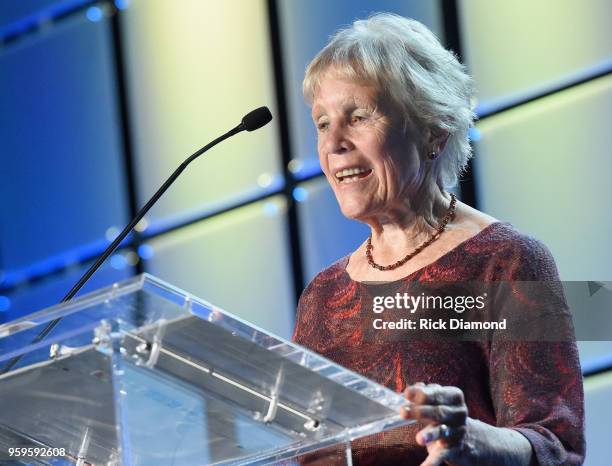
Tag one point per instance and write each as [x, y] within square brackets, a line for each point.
[142, 373]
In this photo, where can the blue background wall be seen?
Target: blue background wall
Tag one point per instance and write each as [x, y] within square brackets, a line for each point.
[100, 101]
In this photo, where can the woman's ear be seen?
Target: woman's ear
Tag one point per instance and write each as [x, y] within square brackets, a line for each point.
[438, 141]
[435, 144]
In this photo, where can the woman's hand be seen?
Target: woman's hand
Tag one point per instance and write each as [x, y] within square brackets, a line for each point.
[444, 411]
[452, 437]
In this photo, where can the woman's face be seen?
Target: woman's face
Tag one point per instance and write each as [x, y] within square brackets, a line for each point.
[370, 163]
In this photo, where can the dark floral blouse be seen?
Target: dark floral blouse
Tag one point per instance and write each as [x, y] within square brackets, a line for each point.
[534, 387]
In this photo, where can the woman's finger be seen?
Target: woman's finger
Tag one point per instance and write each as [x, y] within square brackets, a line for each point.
[437, 454]
[434, 394]
[438, 414]
[441, 432]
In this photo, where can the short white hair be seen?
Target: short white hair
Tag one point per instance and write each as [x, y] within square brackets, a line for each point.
[407, 64]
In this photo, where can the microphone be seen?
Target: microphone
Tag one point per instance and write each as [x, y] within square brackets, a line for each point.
[256, 119]
[250, 122]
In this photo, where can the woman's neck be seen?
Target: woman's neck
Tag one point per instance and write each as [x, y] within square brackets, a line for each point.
[408, 224]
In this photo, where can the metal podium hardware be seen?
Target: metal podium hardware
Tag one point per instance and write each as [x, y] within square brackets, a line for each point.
[144, 374]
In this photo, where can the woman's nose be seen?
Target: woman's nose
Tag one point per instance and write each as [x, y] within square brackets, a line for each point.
[337, 140]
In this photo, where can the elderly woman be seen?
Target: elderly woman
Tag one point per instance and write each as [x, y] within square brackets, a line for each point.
[392, 111]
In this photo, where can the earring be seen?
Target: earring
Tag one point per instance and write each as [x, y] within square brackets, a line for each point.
[432, 155]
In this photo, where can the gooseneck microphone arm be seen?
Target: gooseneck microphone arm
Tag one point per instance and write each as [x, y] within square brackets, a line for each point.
[252, 121]
[141, 213]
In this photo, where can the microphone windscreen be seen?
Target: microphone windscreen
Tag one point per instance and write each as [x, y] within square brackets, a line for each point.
[256, 119]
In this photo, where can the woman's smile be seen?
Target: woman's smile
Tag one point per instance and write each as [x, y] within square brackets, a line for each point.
[353, 175]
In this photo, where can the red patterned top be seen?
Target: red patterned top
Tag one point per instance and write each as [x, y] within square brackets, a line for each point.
[533, 387]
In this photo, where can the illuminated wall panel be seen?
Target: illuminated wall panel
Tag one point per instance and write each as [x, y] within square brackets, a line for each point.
[49, 291]
[14, 11]
[61, 182]
[598, 393]
[326, 234]
[545, 167]
[525, 46]
[194, 68]
[595, 355]
[306, 27]
[237, 260]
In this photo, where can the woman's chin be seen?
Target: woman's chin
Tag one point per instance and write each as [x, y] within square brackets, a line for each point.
[353, 211]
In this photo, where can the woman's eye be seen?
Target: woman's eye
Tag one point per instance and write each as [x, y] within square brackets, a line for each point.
[357, 119]
[322, 125]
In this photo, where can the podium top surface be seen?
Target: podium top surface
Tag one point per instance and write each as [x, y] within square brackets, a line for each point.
[221, 391]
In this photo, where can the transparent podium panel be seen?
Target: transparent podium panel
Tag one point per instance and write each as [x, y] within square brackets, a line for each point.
[142, 373]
